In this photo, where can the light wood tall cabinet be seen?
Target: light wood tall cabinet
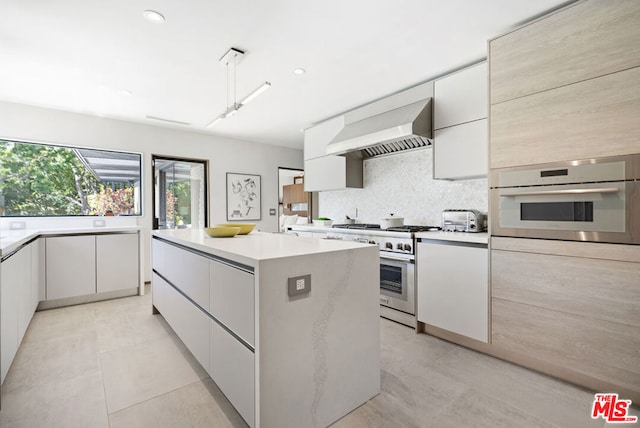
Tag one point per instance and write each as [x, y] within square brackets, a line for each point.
[567, 86]
[569, 307]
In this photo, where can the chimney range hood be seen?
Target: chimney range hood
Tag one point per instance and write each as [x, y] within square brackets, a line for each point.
[404, 128]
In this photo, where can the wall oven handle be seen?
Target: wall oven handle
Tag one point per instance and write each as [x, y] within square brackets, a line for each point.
[563, 192]
[407, 259]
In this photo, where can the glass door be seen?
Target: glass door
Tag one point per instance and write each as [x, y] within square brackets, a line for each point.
[180, 196]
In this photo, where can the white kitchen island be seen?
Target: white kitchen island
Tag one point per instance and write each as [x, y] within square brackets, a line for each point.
[282, 359]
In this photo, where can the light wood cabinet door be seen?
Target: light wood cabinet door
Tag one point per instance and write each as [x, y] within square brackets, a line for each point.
[8, 313]
[461, 97]
[117, 262]
[586, 40]
[594, 118]
[71, 266]
[461, 151]
[450, 297]
[579, 313]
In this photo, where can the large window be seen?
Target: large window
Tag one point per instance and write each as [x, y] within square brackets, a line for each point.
[48, 180]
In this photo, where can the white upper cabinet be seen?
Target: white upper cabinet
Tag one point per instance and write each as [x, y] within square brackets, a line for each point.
[328, 172]
[318, 137]
[461, 97]
[460, 122]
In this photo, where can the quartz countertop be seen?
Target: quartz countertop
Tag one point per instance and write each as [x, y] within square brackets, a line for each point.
[477, 238]
[250, 249]
[13, 239]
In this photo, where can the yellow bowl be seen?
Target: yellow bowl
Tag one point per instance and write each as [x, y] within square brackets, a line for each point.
[245, 228]
[221, 232]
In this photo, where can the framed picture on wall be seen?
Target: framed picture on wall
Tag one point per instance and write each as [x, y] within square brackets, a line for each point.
[243, 197]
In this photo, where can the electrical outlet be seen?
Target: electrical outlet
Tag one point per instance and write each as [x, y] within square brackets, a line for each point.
[17, 225]
[299, 285]
[98, 223]
[272, 211]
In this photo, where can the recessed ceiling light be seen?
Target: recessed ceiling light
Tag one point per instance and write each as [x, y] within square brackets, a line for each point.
[153, 16]
[299, 71]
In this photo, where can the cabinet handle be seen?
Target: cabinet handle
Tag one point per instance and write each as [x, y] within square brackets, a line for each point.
[562, 192]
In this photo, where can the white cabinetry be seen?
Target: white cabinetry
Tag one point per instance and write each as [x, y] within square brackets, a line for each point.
[460, 123]
[211, 306]
[117, 262]
[71, 266]
[328, 172]
[8, 312]
[453, 289]
[19, 296]
[83, 266]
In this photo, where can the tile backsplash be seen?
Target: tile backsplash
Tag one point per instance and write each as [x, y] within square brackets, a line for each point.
[403, 184]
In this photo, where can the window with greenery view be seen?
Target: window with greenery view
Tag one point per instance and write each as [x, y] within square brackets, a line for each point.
[48, 180]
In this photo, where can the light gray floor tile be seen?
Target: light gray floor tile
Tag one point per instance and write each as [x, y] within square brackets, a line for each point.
[55, 323]
[200, 404]
[75, 402]
[138, 373]
[39, 363]
[129, 329]
[539, 395]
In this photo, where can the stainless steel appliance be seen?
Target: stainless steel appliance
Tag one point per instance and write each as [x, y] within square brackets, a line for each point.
[397, 265]
[588, 200]
[463, 221]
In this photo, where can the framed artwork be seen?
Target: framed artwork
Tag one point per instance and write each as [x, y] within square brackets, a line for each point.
[243, 197]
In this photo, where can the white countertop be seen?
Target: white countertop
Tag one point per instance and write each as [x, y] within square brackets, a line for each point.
[482, 238]
[250, 249]
[477, 238]
[12, 239]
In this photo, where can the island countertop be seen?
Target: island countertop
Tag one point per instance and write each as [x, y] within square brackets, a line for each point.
[256, 246]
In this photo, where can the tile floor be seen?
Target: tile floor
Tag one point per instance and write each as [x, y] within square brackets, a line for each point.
[114, 364]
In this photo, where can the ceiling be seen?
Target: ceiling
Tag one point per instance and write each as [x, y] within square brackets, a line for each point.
[103, 58]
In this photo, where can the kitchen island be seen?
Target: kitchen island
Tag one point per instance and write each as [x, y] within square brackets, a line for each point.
[287, 327]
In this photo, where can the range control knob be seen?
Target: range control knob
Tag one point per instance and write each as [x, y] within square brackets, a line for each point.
[389, 245]
[371, 241]
[407, 247]
[399, 246]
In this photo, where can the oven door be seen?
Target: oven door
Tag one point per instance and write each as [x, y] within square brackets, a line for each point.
[397, 282]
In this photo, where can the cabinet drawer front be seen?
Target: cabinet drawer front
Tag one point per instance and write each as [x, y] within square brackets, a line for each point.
[592, 38]
[595, 118]
[188, 271]
[593, 288]
[190, 323]
[232, 299]
[599, 349]
[232, 369]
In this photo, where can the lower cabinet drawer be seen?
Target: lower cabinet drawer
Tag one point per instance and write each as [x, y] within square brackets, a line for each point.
[190, 323]
[231, 367]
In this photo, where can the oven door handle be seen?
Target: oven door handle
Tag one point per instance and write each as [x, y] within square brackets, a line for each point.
[397, 259]
[563, 192]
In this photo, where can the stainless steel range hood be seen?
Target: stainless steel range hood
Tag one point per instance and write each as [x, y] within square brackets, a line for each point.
[404, 128]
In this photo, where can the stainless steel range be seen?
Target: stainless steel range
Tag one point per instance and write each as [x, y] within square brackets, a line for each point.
[397, 265]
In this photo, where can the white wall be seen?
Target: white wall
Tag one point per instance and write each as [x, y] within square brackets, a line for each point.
[28, 123]
[402, 184]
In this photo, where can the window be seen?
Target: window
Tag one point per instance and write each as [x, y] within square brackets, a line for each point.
[48, 180]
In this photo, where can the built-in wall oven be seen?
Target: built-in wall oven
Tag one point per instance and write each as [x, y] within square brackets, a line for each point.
[594, 200]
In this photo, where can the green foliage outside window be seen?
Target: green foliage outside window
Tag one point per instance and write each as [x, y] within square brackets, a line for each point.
[46, 180]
